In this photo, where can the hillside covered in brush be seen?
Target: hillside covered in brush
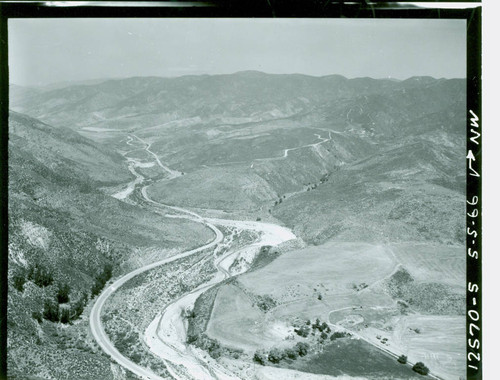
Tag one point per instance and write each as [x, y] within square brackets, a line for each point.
[64, 237]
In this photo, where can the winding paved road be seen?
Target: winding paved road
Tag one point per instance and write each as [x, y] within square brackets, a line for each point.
[96, 326]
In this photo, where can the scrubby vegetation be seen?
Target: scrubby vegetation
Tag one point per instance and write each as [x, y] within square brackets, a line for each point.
[426, 297]
[101, 279]
[265, 256]
[202, 310]
[18, 279]
[63, 293]
[215, 349]
[265, 302]
[40, 275]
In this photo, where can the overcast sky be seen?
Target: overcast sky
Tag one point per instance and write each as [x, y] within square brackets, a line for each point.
[43, 51]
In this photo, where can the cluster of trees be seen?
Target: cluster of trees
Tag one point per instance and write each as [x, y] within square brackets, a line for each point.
[324, 178]
[280, 200]
[302, 331]
[321, 327]
[101, 279]
[265, 302]
[52, 311]
[212, 346]
[418, 367]
[278, 354]
[38, 274]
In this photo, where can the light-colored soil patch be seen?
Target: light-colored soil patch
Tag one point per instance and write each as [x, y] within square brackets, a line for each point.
[234, 320]
[273, 373]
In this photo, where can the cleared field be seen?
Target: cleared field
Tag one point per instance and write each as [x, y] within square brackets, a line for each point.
[433, 263]
[333, 268]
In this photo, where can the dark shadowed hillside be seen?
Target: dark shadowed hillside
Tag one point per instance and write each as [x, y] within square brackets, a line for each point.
[63, 231]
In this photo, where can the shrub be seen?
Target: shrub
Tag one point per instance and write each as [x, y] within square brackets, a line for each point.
[275, 355]
[136, 357]
[259, 357]
[302, 348]
[403, 359]
[302, 331]
[324, 335]
[420, 368]
[265, 302]
[291, 353]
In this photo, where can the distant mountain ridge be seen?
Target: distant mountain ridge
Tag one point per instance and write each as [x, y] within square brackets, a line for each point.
[248, 94]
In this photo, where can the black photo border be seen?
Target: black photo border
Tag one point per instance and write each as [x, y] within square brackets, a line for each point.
[470, 11]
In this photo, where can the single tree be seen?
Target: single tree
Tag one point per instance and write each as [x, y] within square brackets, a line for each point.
[403, 359]
[259, 357]
[420, 368]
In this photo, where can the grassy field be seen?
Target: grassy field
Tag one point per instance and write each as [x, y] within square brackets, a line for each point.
[440, 343]
[332, 268]
[433, 263]
[223, 188]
